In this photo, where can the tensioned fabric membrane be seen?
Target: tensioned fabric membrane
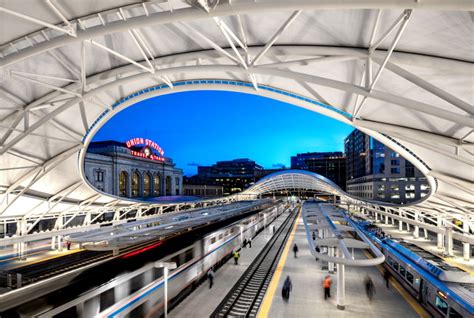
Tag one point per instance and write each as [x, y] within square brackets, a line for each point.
[400, 71]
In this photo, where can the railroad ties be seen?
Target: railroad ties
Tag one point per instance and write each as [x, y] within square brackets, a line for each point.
[246, 296]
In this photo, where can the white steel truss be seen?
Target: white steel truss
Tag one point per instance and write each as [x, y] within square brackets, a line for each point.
[431, 127]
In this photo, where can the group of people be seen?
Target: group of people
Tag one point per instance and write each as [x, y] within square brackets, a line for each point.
[327, 282]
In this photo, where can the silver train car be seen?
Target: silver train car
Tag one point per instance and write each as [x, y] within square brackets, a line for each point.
[140, 294]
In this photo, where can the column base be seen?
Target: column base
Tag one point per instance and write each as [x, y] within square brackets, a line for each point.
[341, 307]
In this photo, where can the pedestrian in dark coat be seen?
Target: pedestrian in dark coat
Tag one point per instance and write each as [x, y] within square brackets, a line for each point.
[286, 289]
[295, 250]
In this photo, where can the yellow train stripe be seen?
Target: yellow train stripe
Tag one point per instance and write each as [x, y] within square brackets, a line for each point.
[268, 299]
[408, 297]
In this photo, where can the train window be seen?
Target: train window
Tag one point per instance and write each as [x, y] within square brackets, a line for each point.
[220, 236]
[453, 313]
[402, 271]
[188, 255]
[441, 305]
[389, 261]
[213, 240]
[410, 277]
[395, 265]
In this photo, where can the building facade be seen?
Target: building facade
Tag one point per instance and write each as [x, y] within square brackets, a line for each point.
[132, 170]
[233, 175]
[331, 165]
[376, 172]
[203, 190]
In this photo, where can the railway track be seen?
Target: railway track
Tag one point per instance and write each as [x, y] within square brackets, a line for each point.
[246, 296]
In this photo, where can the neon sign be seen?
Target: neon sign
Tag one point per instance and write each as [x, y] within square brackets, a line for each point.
[147, 149]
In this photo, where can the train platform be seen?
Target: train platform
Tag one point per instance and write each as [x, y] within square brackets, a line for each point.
[307, 296]
[37, 252]
[203, 301]
[427, 244]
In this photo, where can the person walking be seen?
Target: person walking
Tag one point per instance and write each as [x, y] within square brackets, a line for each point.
[244, 243]
[250, 242]
[295, 250]
[210, 277]
[236, 257]
[386, 277]
[369, 287]
[327, 287]
[287, 287]
[318, 250]
[68, 245]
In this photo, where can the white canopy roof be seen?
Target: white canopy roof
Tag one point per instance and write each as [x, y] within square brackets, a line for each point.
[400, 71]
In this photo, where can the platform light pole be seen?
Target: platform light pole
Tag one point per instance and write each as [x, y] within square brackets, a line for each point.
[166, 267]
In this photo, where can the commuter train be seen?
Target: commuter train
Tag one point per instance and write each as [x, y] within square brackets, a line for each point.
[442, 289]
[140, 293]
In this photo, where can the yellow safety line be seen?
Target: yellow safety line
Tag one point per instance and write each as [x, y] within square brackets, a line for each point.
[408, 297]
[268, 299]
[43, 259]
[17, 256]
[454, 263]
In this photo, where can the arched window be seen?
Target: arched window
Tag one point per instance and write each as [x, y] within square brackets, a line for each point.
[168, 185]
[146, 185]
[135, 184]
[156, 185]
[123, 184]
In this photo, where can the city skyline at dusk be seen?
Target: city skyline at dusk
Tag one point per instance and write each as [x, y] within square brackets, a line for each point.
[227, 125]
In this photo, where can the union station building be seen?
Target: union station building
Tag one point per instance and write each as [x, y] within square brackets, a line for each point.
[134, 169]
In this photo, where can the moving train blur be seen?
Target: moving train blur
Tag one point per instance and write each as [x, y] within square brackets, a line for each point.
[183, 241]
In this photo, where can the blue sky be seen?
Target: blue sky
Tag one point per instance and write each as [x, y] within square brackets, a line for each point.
[202, 127]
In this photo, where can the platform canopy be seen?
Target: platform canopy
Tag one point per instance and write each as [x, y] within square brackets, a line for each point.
[293, 180]
[400, 71]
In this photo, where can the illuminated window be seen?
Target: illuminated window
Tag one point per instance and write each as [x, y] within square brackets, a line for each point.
[135, 184]
[146, 185]
[123, 184]
[441, 305]
[156, 185]
[99, 175]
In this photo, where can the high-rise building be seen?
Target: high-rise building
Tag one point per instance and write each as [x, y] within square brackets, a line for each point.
[234, 175]
[376, 172]
[331, 165]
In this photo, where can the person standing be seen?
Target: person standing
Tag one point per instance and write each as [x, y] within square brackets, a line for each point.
[318, 250]
[386, 277]
[295, 250]
[369, 287]
[68, 245]
[327, 287]
[287, 287]
[236, 257]
[250, 242]
[210, 277]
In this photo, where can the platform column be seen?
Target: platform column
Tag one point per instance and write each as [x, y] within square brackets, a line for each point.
[466, 246]
[449, 240]
[416, 232]
[341, 285]
[440, 237]
[331, 264]
[53, 243]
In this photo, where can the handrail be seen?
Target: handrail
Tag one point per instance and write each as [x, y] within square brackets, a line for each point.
[379, 257]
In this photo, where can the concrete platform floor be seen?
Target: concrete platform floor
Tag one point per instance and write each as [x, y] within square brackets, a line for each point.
[203, 301]
[307, 297]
